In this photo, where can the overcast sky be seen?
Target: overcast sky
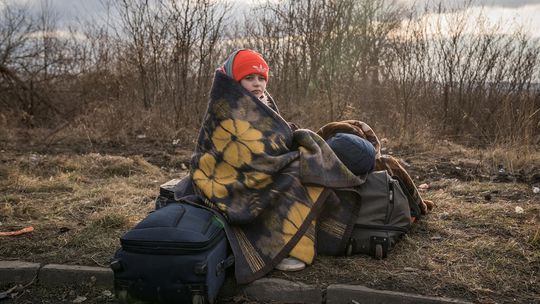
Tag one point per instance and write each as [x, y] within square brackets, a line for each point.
[526, 12]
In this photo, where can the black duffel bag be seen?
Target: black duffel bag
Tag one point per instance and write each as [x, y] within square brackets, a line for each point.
[383, 216]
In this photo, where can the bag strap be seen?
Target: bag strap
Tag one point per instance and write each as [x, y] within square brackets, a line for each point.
[415, 209]
[226, 263]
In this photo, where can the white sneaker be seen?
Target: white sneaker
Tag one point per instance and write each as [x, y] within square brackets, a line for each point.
[290, 264]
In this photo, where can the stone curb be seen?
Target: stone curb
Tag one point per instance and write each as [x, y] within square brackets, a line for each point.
[337, 294]
[18, 272]
[282, 291]
[53, 274]
[262, 290]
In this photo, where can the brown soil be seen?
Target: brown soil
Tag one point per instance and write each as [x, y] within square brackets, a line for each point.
[481, 243]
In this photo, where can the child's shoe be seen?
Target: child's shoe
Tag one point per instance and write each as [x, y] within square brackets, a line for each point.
[290, 264]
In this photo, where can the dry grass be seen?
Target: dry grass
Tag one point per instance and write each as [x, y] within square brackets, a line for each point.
[474, 245]
[479, 251]
[111, 123]
[78, 204]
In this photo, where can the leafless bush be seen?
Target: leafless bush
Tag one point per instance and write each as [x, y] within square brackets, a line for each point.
[468, 80]
[407, 73]
[324, 55]
[172, 47]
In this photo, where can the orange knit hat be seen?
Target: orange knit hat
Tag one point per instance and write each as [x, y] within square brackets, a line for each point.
[245, 62]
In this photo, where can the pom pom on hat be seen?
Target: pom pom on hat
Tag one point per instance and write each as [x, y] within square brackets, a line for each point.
[245, 62]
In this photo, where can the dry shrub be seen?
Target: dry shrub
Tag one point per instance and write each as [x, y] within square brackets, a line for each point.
[112, 123]
[20, 210]
[30, 184]
[10, 198]
[50, 186]
[513, 158]
[8, 202]
[121, 166]
[520, 162]
[93, 165]
[104, 199]
[110, 166]
[144, 166]
[46, 166]
[107, 122]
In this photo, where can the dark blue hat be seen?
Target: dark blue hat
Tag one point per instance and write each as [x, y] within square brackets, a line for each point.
[354, 152]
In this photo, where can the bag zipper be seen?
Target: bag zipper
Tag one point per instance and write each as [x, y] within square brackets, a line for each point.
[390, 206]
[381, 227]
[161, 247]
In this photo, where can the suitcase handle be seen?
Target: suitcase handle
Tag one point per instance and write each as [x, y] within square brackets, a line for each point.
[116, 265]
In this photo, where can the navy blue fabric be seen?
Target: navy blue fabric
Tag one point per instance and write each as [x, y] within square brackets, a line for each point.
[160, 256]
[354, 152]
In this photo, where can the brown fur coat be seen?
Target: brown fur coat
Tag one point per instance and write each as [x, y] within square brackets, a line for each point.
[382, 162]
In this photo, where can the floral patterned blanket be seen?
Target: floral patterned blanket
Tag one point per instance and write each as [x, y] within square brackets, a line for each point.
[267, 181]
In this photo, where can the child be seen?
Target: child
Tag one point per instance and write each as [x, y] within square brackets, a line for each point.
[251, 70]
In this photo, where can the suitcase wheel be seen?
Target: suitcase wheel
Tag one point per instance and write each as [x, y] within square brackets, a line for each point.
[198, 299]
[348, 252]
[378, 252]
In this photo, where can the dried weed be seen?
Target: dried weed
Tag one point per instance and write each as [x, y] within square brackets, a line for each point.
[79, 205]
[469, 247]
[473, 246]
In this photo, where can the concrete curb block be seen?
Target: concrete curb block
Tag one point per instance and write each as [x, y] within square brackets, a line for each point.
[18, 272]
[282, 291]
[53, 274]
[262, 290]
[336, 294]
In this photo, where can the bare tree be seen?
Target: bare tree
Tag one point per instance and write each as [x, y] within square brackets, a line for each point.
[377, 61]
[28, 52]
[196, 28]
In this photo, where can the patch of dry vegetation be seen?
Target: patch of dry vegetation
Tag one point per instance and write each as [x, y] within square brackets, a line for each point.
[479, 251]
[475, 245]
[78, 204]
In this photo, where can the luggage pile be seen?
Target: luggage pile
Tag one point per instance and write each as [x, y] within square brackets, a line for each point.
[179, 253]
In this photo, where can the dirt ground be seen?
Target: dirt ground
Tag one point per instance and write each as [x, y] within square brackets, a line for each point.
[481, 243]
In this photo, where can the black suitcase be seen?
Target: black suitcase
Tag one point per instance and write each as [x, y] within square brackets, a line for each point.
[177, 254]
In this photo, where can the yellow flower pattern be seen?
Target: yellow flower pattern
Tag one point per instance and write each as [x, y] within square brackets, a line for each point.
[305, 248]
[212, 178]
[237, 140]
[257, 180]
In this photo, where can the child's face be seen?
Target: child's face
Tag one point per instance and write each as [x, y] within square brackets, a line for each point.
[254, 83]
